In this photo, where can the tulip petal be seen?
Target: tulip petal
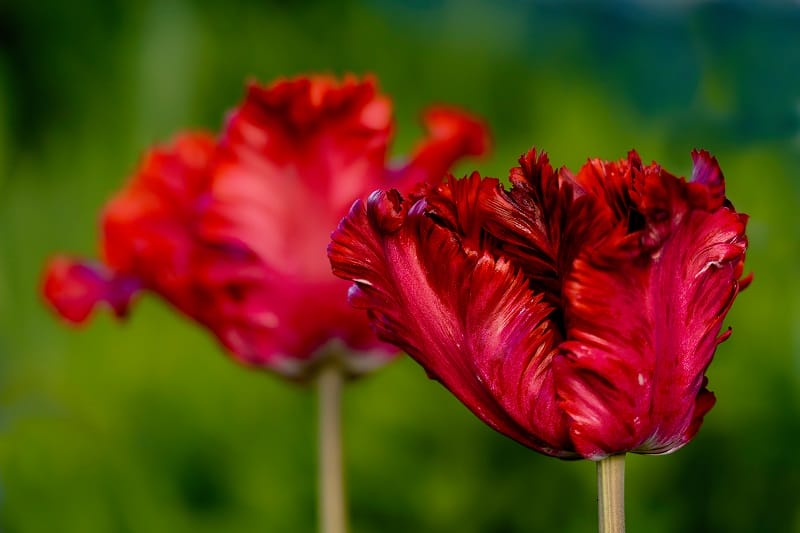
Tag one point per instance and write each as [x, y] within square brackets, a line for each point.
[465, 207]
[452, 134]
[643, 329]
[470, 320]
[542, 223]
[294, 156]
[148, 228]
[233, 231]
[707, 173]
[263, 317]
[75, 288]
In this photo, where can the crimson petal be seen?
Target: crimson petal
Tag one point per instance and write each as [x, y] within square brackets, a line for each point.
[470, 320]
[452, 134]
[233, 231]
[75, 288]
[148, 226]
[707, 173]
[542, 223]
[643, 329]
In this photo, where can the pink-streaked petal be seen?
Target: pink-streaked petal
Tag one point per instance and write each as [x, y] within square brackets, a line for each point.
[470, 320]
[325, 138]
[641, 335]
[294, 156]
[452, 134]
[74, 288]
[514, 342]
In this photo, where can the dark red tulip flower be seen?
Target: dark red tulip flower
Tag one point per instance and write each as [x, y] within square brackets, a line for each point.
[575, 313]
[232, 231]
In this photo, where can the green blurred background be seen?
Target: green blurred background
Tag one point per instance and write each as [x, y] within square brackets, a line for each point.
[147, 426]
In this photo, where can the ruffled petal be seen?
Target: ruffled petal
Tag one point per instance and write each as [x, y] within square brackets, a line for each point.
[293, 157]
[644, 326]
[452, 134]
[469, 319]
[233, 232]
[147, 241]
[707, 174]
[610, 183]
[75, 288]
[149, 227]
[465, 207]
[542, 223]
[287, 324]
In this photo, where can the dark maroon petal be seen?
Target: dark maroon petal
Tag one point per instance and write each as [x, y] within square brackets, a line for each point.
[465, 207]
[610, 183]
[514, 341]
[470, 320]
[659, 201]
[542, 223]
[642, 331]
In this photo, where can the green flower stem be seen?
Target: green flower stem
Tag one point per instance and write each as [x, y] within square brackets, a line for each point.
[611, 494]
[332, 516]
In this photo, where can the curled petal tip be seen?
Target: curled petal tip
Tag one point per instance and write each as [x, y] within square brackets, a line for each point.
[455, 125]
[534, 159]
[385, 209]
[704, 401]
[534, 167]
[745, 282]
[452, 134]
[306, 101]
[634, 159]
[74, 288]
[725, 335]
[706, 172]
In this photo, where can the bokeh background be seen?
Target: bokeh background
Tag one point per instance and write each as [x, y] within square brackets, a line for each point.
[147, 426]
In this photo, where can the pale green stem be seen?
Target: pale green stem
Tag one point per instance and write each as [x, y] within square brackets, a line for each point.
[332, 516]
[611, 494]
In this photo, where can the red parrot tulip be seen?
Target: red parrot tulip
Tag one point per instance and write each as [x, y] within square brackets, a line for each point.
[232, 231]
[576, 314]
